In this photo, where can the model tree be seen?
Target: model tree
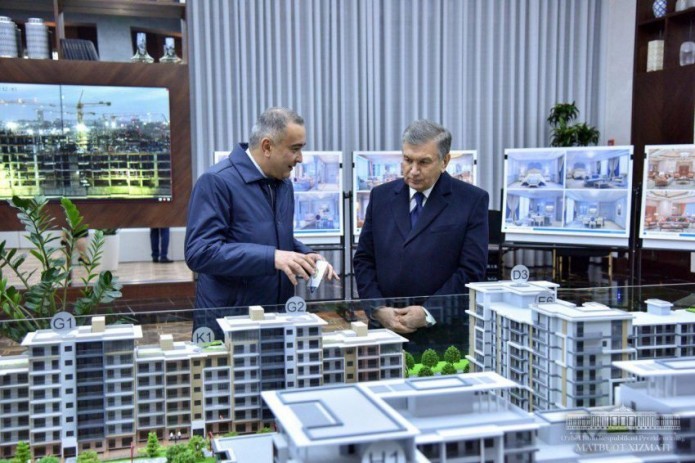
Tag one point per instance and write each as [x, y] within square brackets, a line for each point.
[173, 451]
[449, 369]
[197, 444]
[23, 453]
[152, 445]
[90, 456]
[425, 371]
[429, 359]
[409, 360]
[452, 355]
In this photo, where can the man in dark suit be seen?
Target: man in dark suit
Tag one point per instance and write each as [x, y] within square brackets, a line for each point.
[239, 236]
[423, 235]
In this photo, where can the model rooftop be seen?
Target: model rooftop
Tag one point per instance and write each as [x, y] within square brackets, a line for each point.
[659, 313]
[359, 334]
[659, 367]
[97, 331]
[511, 311]
[328, 414]
[257, 318]
[14, 364]
[170, 350]
[470, 382]
[588, 311]
[508, 286]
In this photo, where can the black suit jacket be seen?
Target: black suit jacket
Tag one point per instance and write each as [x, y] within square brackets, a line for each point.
[446, 250]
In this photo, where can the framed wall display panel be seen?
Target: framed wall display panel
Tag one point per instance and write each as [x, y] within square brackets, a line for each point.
[116, 139]
[576, 195]
[85, 142]
[667, 219]
[217, 156]
[372, 168]
[318, 196]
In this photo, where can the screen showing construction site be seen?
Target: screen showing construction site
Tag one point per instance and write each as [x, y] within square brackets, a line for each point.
[84, 142]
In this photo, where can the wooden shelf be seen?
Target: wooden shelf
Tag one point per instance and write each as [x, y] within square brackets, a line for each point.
[59, 11]
[158, 9]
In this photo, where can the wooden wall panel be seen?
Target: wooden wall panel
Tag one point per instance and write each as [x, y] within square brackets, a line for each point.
[119, 213]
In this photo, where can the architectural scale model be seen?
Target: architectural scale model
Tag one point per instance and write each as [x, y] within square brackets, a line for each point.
[94, 388]
[466, 418]
[560, 354]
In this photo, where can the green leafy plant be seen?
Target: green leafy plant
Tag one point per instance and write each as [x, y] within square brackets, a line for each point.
[425, 371]
[452, 355]
[409, 360]
[565, 134]
[197, 444]
[449, 369]
[23, 453]
[430, 358]
[152, 445]
[90, 456]
[49, 459]
[109, 231]
[32, 307]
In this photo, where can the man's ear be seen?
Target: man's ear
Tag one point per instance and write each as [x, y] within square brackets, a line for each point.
[446, 160]
[266, 143]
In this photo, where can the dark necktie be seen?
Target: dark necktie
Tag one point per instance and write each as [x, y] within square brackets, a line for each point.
[415, 213]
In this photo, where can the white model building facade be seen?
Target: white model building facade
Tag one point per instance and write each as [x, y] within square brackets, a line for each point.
[81, 388]
[360, 354]
[91, 388]
[448, 418]
[561, 354]
[467, 418]
[661, 332]
[558, 353]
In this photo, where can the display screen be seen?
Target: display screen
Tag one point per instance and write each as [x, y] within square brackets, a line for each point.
[668, 197]
[318, 194]
[85, 142]
[372, 168]
[562, 194]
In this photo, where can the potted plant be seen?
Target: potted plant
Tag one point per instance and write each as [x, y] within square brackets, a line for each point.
[564, 134]
[33, 306]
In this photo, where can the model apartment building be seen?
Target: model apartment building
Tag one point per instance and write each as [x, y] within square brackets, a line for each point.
[70, 389]
[469, 418]
[561, 354]
[92, 388]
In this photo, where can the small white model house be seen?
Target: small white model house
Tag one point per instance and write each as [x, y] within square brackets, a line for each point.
[441, 418]
[666, 387]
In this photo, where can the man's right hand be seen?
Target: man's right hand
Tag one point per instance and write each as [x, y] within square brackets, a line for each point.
[388, 318]
[294, 264]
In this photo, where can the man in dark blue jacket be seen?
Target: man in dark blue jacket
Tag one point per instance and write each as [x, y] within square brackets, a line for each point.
[424, 235]
[240, 221]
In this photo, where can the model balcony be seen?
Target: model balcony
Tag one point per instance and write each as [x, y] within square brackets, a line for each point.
[589, 335]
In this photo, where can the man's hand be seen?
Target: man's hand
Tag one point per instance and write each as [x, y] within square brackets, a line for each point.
[389, 318]
[294, 264]
[330, 272]
[412, 317]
